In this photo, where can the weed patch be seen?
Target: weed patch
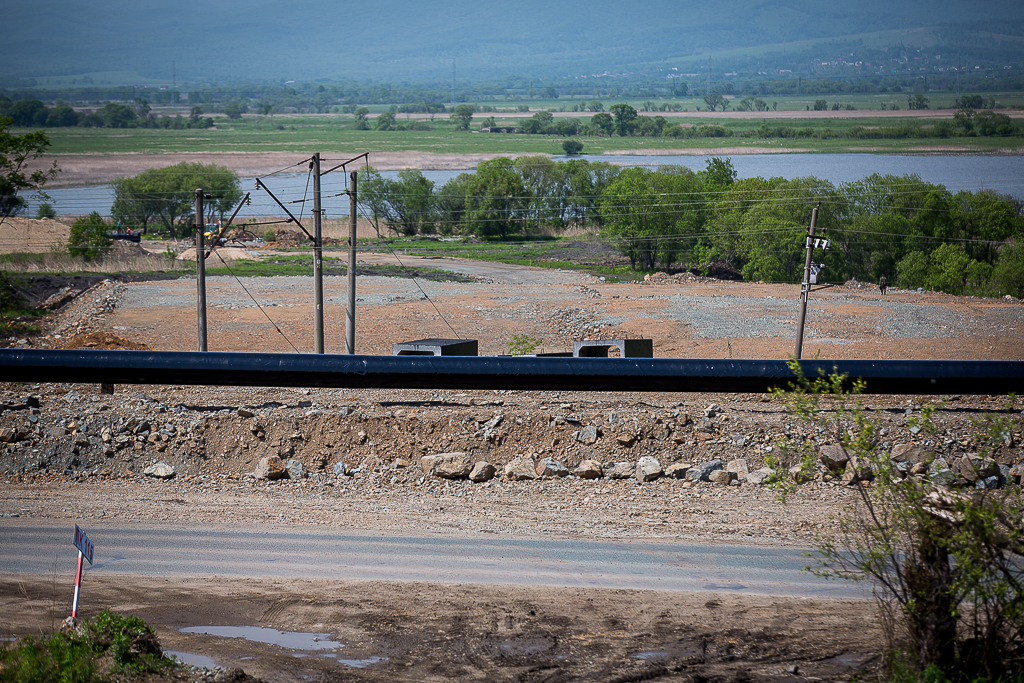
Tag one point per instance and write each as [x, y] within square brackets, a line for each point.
[107, 646]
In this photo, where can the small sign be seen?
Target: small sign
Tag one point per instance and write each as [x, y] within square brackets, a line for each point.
[83, 543]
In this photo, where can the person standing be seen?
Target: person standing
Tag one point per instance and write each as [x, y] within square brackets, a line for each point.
[881, 284]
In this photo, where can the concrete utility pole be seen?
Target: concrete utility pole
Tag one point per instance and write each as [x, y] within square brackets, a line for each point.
[318, 263]
[805, 288]
[200, 269]
[350, 311]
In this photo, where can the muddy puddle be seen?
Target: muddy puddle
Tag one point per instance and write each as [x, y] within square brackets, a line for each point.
[301, 644]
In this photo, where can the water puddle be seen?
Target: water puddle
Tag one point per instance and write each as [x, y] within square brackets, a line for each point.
[651, 655]
[362, 663]
[292, 640]
[201, 661]
[305, 644]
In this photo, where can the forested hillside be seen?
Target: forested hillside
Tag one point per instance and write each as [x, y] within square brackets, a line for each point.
[409, 41]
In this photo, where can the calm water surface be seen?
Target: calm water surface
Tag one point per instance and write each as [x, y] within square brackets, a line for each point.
[1004, 174]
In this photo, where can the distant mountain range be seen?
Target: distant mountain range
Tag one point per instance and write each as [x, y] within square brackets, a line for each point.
[405, 41]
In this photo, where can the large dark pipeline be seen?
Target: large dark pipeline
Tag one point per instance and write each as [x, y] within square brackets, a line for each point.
[497, 372]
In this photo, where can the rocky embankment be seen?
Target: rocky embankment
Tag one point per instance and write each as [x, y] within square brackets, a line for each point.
[510, 462]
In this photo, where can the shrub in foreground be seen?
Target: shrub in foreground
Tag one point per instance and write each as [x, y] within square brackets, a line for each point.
[122, 645]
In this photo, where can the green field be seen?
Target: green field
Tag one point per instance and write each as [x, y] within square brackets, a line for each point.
[300, 133]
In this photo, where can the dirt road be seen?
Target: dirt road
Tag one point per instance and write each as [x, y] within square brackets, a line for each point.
[686, 318]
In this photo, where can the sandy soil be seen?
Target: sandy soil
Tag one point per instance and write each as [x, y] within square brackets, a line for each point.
[28, 235]
[559, 307]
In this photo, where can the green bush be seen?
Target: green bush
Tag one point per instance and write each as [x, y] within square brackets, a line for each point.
[523, 344]
[46, 210]
[72, 658]
[58, 659]
[88, 238]
[1008, 275]
[947, 565]
[572, 147]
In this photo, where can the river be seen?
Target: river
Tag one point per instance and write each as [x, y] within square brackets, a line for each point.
[1004, 174]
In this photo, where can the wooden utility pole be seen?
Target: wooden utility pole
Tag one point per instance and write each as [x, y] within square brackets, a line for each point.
[350, 311]
[200, 269]
[318, 263]
[805, 288]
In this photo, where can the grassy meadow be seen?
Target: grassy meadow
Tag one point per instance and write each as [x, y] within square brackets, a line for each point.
[300, 133]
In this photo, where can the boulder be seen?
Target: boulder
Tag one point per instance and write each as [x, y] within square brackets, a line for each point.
[482, 471]
[588, 435]
[738, 467]
[942, 477]
[722, 477]
[833, 457]
[521, 469]
[855, 471]
[161, 470]
[907, 452]
[270, 467]
[620, 470]
[588, 469]
[797, 473]
[919, 468]
[648, 469]
[703, 472]
[677, 470]
[759, 476]
[295, 469]
[340, 470]
[974, 468]
[987, 483]
[625, 439]
[549, 467]
[447, 465]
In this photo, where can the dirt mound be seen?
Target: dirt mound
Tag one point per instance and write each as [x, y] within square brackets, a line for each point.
[225, 253]
[239, 235]
[29, 235]
[103, 341]
[716, 272]
[124, 249]
[285, 238]
[290, 239]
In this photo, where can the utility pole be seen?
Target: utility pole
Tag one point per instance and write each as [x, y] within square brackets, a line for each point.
[318, 262]
[200, 269]
[805, 288]
[350, 311]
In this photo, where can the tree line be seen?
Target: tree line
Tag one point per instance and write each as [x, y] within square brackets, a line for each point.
[914, 233]
[32, 113]
[322, 97]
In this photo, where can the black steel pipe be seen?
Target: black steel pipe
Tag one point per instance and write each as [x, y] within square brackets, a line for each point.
[497, 372]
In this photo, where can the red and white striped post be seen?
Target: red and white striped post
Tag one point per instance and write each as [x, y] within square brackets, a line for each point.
[85, 549]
